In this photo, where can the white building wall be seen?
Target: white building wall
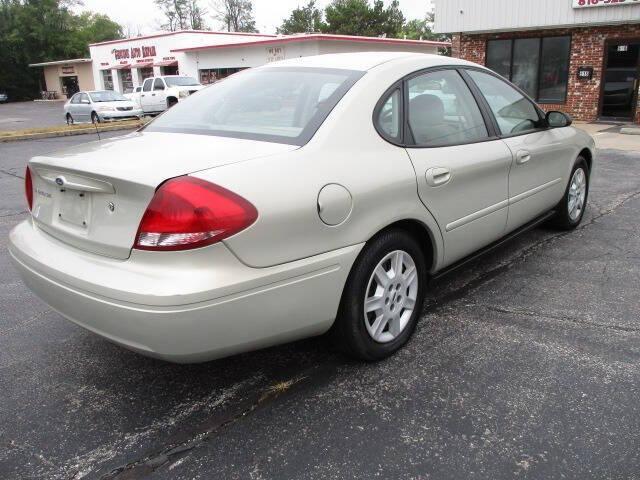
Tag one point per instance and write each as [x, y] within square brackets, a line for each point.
[104, 54]
[452, 16]
[242, 57]
[256, 55]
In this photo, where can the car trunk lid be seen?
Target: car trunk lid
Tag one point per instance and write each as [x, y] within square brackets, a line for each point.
[94, 195]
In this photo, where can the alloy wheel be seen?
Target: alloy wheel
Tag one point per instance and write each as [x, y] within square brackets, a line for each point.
[390, 296]
[577, 194]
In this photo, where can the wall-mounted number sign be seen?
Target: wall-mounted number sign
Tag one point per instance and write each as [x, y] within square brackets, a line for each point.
[603, 3]
[585, 73]
[68, 70]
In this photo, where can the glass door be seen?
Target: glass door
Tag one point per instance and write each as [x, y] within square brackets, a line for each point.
[621, 80]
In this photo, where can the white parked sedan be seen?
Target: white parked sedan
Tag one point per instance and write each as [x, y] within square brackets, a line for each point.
[315, 194]
[99, 106]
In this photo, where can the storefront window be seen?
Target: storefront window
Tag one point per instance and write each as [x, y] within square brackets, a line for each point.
[145, 73]
[127, 81]
[554, 69]
[526, 58]
[539, 66]
[170, 70]
[499, 57]
[107, 79]
[212, 75]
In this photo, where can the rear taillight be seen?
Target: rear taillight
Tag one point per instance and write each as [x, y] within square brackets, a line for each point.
[28, 188]
[187, 212]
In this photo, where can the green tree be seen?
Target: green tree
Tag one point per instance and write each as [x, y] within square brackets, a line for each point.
[302, 20]
[358, 17]
[235, 15]
[34, 31]
[423, 30]
[182, 14]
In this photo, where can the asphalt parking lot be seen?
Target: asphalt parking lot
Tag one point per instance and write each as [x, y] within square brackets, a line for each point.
[23, 115]
[526, 364]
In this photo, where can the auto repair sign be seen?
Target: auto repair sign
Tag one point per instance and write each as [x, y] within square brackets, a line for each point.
[603, 3]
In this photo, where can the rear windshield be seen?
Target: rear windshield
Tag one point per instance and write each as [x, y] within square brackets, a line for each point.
[277, 104]
[181, 81]
[107, 96]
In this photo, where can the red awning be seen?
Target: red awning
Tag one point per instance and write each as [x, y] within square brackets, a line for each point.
[121, 66]
[166, 63]
[145, 64]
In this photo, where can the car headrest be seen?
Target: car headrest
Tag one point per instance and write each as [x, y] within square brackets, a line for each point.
[426, 109]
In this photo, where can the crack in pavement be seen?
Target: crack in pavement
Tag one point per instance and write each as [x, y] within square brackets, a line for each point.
[150, 463]
[144, 466]
[552, 316]
[11, 174]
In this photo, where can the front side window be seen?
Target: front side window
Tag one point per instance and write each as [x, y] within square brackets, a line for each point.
[84, 98]
[539, 66]
[513, 111]
[442, 110]
[277, 104]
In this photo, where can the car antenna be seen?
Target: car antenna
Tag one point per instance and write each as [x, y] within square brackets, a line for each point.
[95, 124]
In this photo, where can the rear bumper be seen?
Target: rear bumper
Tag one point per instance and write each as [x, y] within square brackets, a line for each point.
[183, 306]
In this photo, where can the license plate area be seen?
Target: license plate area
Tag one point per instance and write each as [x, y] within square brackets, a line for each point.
[74, 208]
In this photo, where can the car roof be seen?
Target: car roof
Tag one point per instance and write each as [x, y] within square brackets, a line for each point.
[363, 61]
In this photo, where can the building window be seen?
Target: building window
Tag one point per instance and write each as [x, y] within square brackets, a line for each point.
[539, 66]
[126, 80]
[211, 75]
[145, 73]
[107, 79]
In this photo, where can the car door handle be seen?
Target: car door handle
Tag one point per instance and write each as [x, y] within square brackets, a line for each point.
[522, 157]
[153, 94]
[438, 176]
[142, 95]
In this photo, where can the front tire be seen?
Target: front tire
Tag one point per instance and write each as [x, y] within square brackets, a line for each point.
[171, 102]
[383, 297]
[571, 208]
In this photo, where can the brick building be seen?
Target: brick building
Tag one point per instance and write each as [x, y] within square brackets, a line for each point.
[578, 56]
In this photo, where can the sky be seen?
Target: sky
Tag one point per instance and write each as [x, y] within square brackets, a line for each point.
[143, 17]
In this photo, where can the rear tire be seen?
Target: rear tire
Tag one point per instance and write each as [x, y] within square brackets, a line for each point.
[69, 119]
[95, 118]
[390, 275]
[570, 210]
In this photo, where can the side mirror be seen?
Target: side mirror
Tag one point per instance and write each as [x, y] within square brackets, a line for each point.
[558, 119]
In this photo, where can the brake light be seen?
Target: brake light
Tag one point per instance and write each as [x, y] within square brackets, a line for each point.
[188, 212]
[28, 188]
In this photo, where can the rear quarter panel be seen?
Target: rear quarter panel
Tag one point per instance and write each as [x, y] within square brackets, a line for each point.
[346, 150]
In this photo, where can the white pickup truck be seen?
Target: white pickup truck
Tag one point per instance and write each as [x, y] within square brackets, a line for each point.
[159, 93]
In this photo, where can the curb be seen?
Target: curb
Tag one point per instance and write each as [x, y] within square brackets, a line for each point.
[67, 133]
[630, 130]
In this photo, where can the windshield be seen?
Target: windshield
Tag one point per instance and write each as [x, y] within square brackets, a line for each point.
[181, 81]
[284, 105]
[107, 96]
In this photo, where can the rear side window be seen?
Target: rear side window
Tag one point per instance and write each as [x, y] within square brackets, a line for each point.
[147, 85]
[513, 111]
[276, 104]
[158, 84]
[442, 110]
[389, 116]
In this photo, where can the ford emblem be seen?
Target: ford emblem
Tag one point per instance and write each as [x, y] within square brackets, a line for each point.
[60, 181]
